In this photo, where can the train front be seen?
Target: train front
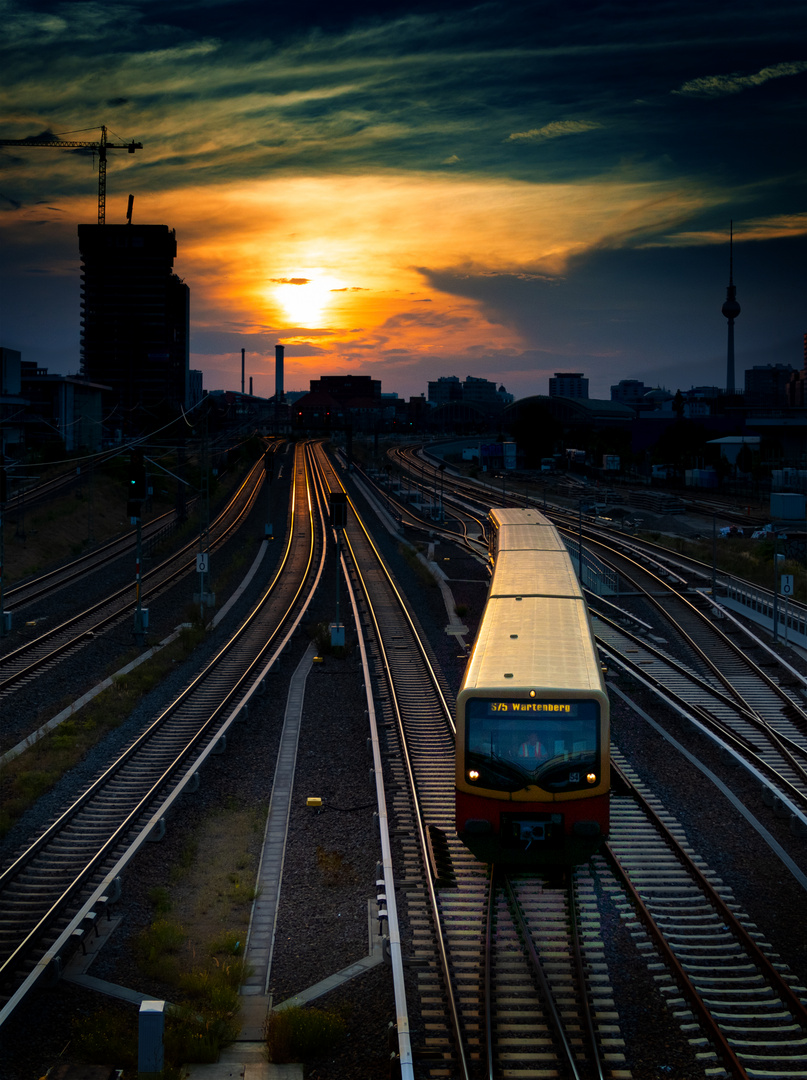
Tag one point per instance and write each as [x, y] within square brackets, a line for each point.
[532, 772]
[532, 776]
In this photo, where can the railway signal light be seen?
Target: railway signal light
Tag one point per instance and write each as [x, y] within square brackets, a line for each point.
[136, 488]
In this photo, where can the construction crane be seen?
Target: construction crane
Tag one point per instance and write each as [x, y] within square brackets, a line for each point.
[55, 143]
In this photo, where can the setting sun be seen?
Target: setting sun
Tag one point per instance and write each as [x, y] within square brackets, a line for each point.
[305, 296]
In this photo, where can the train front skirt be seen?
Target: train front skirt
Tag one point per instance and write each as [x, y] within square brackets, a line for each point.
[532, 834]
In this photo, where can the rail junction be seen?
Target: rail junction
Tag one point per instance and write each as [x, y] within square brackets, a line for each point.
[511, 974]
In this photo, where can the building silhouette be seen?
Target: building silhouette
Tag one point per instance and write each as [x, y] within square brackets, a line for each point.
[630, 392]
[135, 316]
[569, 384]
[766, 385]
[447, 394]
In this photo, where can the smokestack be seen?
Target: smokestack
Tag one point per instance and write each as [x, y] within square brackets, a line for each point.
[242, 371]
[279, 351]
[250, 386]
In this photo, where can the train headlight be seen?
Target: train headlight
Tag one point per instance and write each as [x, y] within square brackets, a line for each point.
[591, 777]
[473, 774]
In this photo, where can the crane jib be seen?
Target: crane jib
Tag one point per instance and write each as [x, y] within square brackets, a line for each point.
[101, 146]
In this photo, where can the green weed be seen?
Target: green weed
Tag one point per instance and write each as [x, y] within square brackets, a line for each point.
[298, 1034]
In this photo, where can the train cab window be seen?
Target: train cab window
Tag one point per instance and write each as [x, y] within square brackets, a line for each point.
[532, 739]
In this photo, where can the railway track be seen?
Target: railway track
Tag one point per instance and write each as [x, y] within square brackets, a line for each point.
[517, 1033]
[55, 887]
[743, 1017]
[19, 666]
[70, 574]
[762, 708]
[448, 900]
[745, 1014]
[425, 473]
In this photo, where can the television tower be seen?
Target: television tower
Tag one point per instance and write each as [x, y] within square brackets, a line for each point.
[731, 309]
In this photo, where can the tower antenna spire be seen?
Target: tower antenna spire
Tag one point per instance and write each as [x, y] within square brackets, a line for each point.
[731, 309]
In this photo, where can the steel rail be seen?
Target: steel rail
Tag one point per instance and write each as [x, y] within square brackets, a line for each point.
[227, 528]
[786, 993]
[577, 954]
[206, 729]
[396, 956]
[406, 517]
[487, 976]
[787, 747]
[61, 576]
[687, 987]
[568, 1054]
[714, 630]
[453, 1008]
[655, 551]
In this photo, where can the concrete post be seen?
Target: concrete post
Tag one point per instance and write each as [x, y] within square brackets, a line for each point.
[150, 1038]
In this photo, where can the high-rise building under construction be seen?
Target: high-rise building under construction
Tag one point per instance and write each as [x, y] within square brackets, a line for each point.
[134, 317]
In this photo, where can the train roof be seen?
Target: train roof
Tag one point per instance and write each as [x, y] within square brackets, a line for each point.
[535, 537]
[536, 642]
[509, 515]
[534, 573]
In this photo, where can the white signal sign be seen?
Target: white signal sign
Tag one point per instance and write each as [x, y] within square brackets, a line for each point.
[202, 563]
[787, 585]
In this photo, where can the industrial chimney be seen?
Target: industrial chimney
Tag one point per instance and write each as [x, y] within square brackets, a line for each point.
[279, 351]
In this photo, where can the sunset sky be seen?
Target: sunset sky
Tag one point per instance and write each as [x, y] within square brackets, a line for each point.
[502, 190]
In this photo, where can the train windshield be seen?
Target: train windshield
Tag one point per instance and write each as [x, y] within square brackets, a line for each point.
[529, 739]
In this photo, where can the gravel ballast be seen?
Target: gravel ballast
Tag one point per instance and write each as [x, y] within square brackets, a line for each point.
[330, 867]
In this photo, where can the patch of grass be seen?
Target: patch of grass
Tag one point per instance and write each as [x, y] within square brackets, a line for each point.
[161, 899]
[158, 947]
[229, 944]
[191, 1038]
[749, 559]
[106, 1037]
[109, 1036]
[37, 769]
[198, 953]
[423, 573]
[298, 1034]
[215, 987]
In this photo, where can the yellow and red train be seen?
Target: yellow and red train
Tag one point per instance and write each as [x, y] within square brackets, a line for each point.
[532, 762]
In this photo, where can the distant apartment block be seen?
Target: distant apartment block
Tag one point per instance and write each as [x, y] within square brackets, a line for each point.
[569, 384]
[445, 389]
[766, 385]
[629, 391]
[797, 387]
[38, 409]
[481, 393]
[349, 390]
[195, 387]
[135, 315]
[12, 403]
[63, 406]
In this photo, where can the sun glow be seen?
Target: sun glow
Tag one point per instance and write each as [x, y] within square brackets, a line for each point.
[305, 295]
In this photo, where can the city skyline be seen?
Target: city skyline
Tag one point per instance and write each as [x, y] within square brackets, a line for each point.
[502, 191]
